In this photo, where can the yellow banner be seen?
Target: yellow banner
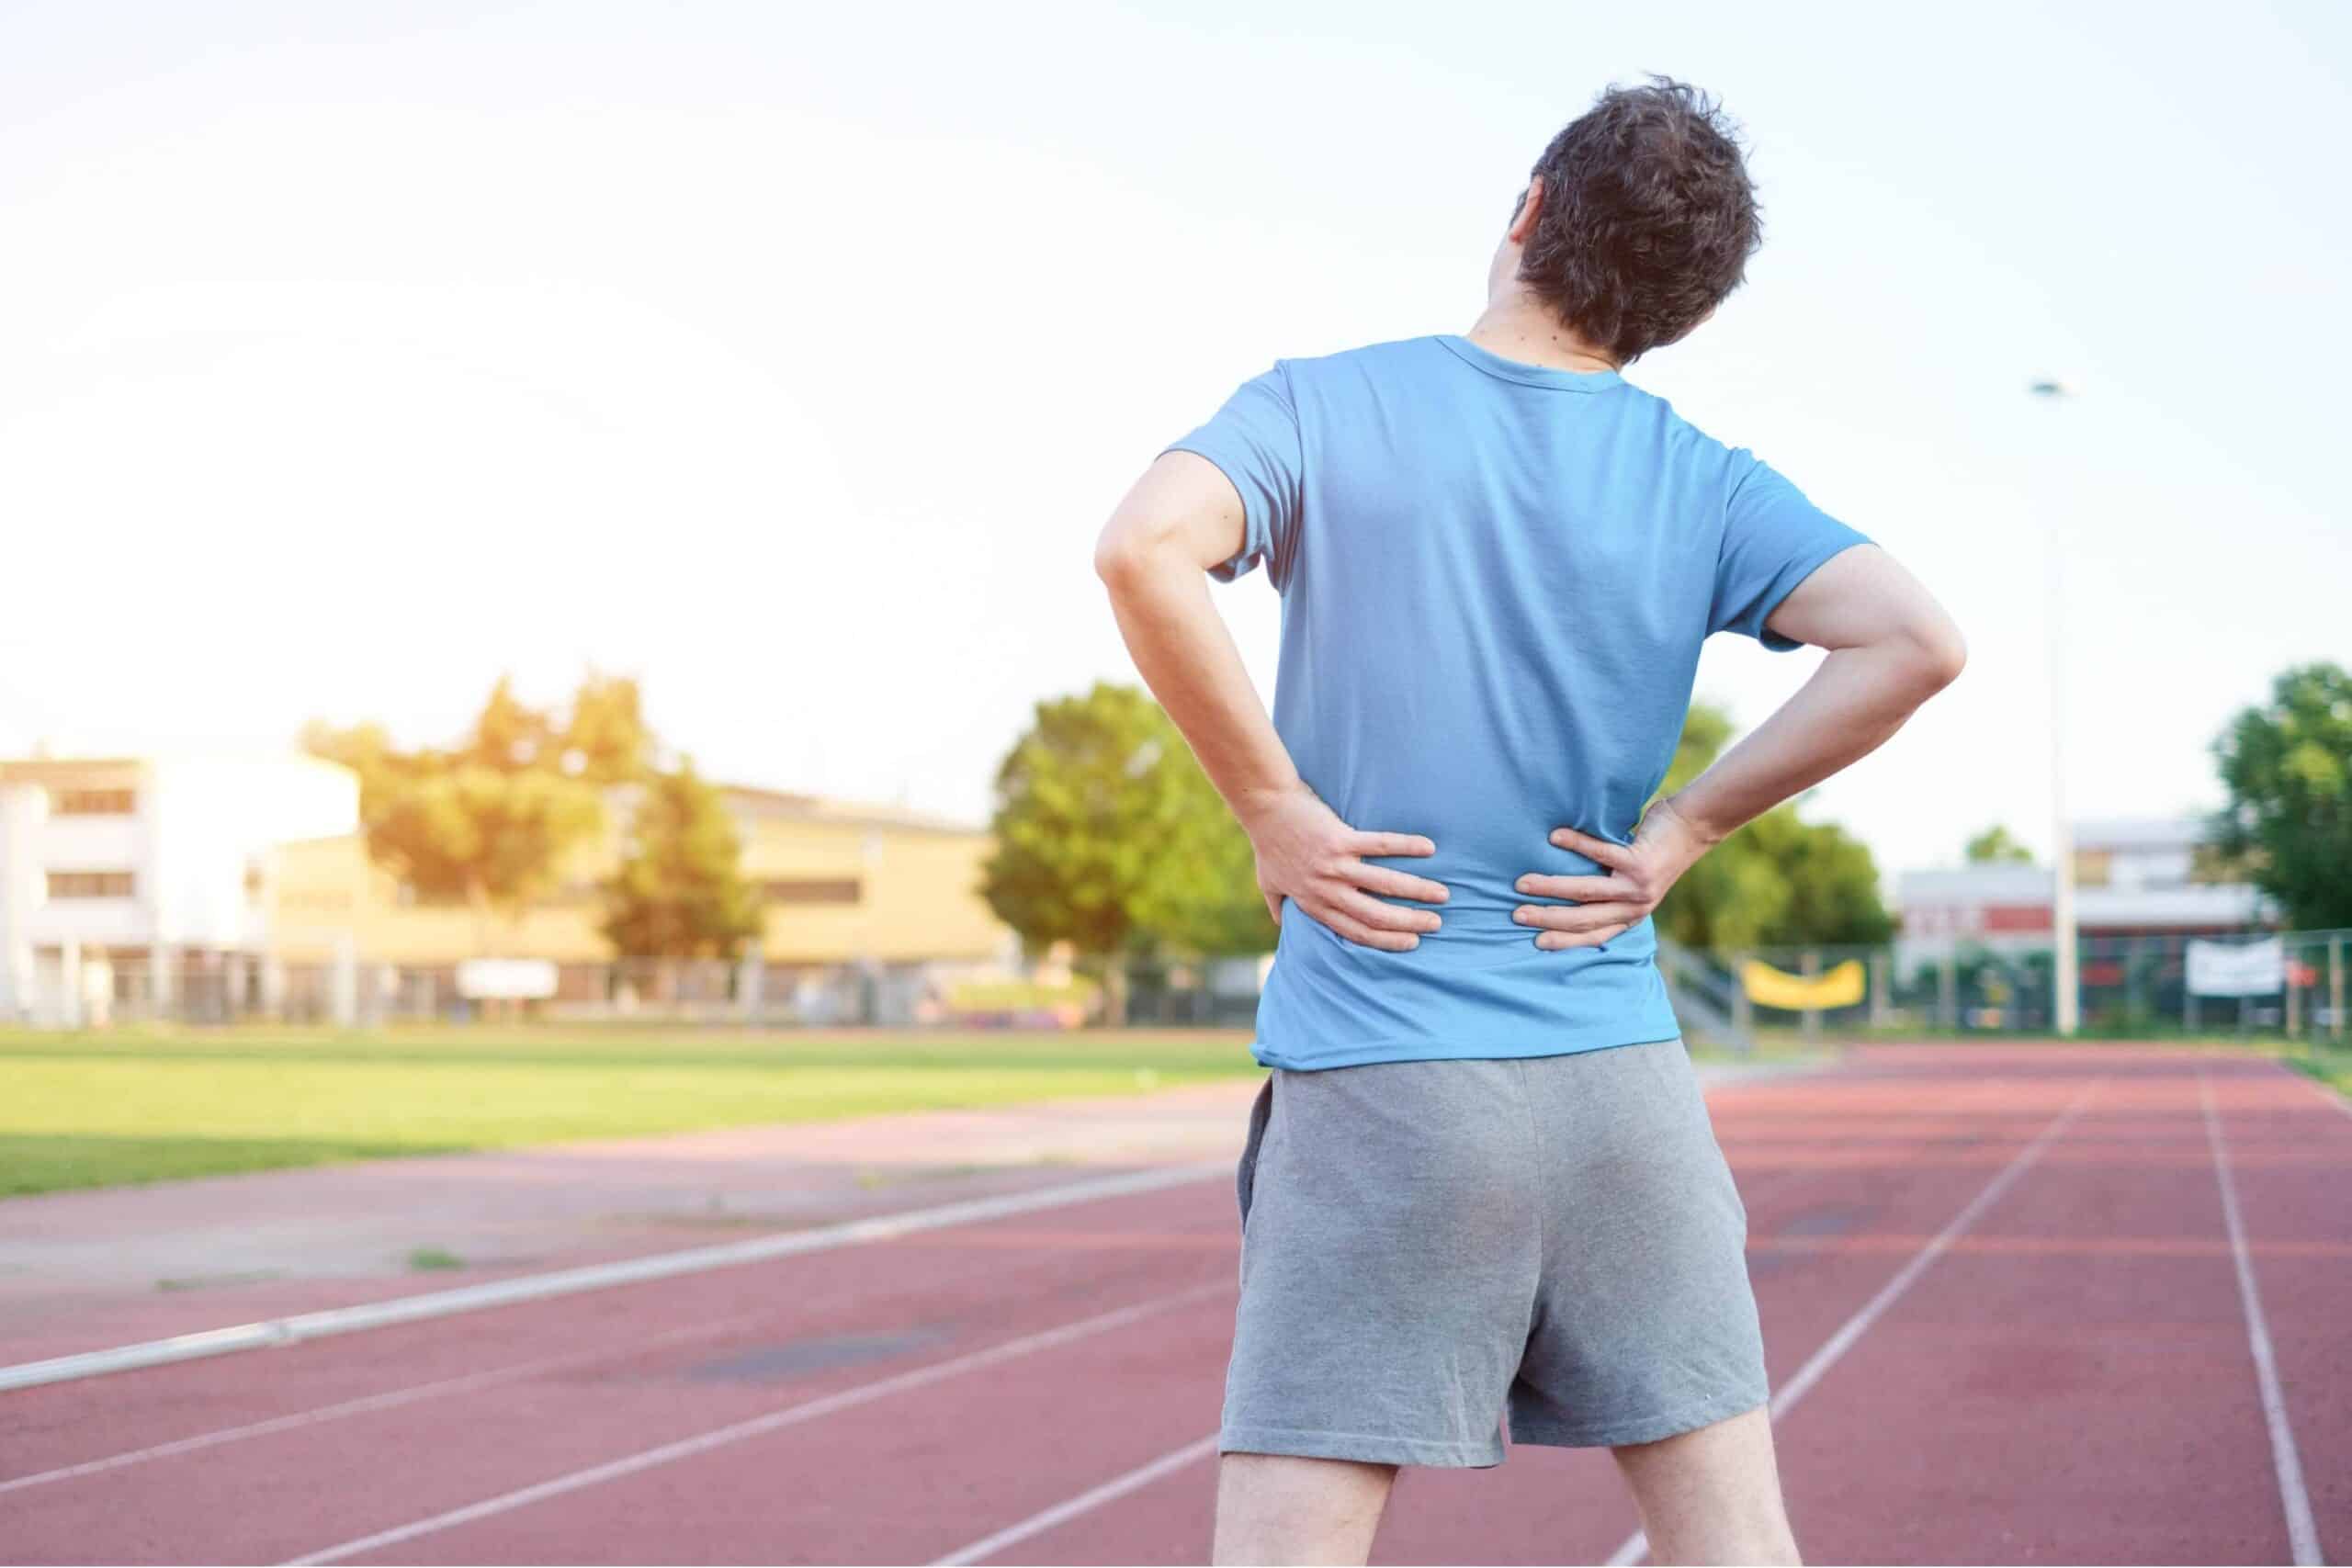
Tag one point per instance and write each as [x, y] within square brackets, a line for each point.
[1770, 987]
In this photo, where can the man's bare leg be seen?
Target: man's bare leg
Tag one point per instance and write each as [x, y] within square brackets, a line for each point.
[1711, 1495]
[1276, 1508]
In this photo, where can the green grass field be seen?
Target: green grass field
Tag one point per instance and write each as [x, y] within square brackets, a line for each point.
[156, 1105]
[2331, 1065]
[132, 1106]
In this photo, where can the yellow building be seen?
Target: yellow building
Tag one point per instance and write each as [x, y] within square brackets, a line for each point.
[867, 909]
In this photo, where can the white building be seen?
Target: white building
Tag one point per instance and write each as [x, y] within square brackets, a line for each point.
[2137, 877]
[142, 877]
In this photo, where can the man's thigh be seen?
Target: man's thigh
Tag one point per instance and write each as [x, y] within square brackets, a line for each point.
[1276, 1508]
[1390, 1244]
[1711, 1494]
[1648, 1326]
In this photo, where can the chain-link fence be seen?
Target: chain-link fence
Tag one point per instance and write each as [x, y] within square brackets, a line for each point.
[99, 990]
[2126, 986]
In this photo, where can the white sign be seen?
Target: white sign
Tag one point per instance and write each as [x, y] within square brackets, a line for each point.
[506, 979]
[2237, 969]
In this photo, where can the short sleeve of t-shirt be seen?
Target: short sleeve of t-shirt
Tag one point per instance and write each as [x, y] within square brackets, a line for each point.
[1773, 539]
[1254, 439]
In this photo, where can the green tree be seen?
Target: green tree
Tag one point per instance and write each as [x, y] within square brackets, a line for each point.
[1832, 881]
[488, 822]
[1203, 899]
[679, 891]
[604, 737]
[1706, 730]
[2287, 765]
[1110, 837]
[1778, 880]
[1997, 846]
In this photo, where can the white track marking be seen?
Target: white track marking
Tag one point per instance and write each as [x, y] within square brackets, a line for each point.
[1637, 1545]
[1084, 1503]
[2302, 1532]
[759, 1425]
[389, 1399]
[281, 1331]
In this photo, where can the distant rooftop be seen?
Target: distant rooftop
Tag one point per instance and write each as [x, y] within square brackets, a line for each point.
[784, 804]
[42, 767]
[2141, 834]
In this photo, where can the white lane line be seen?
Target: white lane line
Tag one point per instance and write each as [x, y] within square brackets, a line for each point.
[774, 1420]
[389, 1399]
[2302, 1532]
[1637, 1545]
[279, 1331]
[1084, 1503]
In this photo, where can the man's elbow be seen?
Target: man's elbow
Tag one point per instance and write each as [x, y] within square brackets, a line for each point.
[1937, 654]
[1121, 559]
[1132, 554]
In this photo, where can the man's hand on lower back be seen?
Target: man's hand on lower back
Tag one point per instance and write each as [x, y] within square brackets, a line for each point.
[1307, 856]
[1639, 873]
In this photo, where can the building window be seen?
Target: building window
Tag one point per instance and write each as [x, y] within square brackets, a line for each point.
[89, 885]
[811, 890]
[93, 802]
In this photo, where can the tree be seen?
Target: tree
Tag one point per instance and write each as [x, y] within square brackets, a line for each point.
[494, 838]
[1706, 730]
[1997, 846]
[1202, 896]
[679, 891]
[2287, 765]
[1778, 880]
[1110, 837]
[488, 822]
[604, 737]
[1832, 881]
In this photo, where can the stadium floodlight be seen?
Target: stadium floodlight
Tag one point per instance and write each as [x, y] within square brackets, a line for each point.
[2065, 984]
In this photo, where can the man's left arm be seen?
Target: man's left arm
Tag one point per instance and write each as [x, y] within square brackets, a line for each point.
[1183, 517]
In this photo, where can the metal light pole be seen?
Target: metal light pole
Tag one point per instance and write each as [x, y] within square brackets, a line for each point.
[2065, 980]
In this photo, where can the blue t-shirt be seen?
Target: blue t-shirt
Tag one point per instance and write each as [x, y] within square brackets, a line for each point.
[1495, 580]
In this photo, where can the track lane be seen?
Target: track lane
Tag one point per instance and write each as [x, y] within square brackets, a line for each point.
[1546, 1505]
[2057, 1404]
[2289, 1149]
[815, 1324]
[2107, 1216]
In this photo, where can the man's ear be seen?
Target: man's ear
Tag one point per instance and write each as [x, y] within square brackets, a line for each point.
[1530, 207]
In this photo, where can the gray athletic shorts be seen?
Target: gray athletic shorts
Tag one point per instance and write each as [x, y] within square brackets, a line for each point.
[1426, 1244]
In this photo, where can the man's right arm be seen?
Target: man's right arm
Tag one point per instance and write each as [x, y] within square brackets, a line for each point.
[1891, 647]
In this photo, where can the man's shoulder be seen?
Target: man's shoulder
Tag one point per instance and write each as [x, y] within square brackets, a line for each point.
[1371, 357]
[1691, 444]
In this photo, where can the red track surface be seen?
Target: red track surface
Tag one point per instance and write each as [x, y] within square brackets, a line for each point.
[2069, 1378]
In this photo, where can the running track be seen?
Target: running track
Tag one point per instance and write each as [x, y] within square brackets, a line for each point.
[2022, 1304]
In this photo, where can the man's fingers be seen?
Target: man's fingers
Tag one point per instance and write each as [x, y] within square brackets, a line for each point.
[1583, 890]
[1399, 884]
[1355, 930]
[1371, 911]
[1390, 844]
[1578, 917]
[1592, 849]
[1552, 942]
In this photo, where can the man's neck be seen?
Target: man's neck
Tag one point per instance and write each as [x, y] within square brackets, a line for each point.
[1523, 328]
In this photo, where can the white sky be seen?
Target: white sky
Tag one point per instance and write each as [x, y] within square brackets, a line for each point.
[790, 356]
